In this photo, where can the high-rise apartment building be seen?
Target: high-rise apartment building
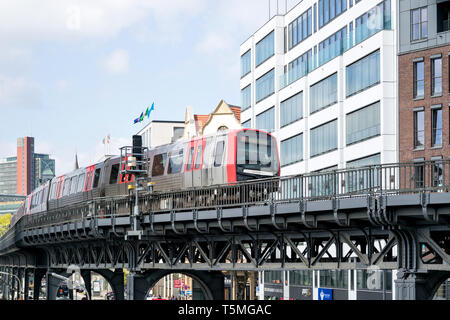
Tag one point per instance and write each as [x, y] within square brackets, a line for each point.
[322, 79]
[25, 165]
[21, 174]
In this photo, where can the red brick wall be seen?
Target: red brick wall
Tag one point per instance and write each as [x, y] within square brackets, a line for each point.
[407, 104]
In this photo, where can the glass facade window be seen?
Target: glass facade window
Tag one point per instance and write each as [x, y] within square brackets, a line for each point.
[273, 277]
[266, 120]
[300, 278]
[333, 46]
[419, 23]
[247, 124]
[265, 49]
[436, 127]
[323, 93]
[292, 150]
[246, 97]
[374, 20]
[265, 85]
[246, 63]
[367, 161]
[363, 73]
[363, 123]
[291, 110]
[419, 129]
[437, 171]
[436, 76]
[334, 279]
[330, 9]
[361, 180]
[324, 138]
[300, 29]
[299, 67]
[377, 280]
[419, 79]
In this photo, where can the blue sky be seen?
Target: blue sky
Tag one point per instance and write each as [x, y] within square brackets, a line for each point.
[73, 71]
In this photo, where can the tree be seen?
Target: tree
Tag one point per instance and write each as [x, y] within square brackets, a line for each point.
[4, 223]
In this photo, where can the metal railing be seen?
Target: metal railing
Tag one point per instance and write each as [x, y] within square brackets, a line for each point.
[429, 176]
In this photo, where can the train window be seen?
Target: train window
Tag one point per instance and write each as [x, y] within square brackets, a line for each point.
[219, 153]
[81, 182]
[88, 181]
[66, 189]
[198, 157]
[159, 163]
[58, 191]
[189, 162]
[207, 160]
[73, 187]
[52, 191]
[96, 178]
[114, 174]
[175, 161]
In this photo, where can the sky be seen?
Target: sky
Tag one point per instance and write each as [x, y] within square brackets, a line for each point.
[73, 71]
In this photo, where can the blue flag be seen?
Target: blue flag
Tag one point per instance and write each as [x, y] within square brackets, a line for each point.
[151, 108]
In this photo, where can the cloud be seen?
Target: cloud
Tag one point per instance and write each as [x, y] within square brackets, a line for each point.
[117, 62]
[35, 21]
[213, 42]
[18, 92]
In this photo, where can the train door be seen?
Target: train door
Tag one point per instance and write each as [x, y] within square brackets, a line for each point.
[188, 174]
[198, 163]
[218, 165]
[88, 183]
[207, 161]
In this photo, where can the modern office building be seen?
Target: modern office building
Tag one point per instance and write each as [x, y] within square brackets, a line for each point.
[8, 175]
[322, 79]
[44, 169]
[345, 83]
[423, 54]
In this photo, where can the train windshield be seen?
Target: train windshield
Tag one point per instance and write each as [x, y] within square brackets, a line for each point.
[256, 154]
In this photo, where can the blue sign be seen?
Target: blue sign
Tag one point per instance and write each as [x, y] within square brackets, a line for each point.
[188, 292]
[325, 294]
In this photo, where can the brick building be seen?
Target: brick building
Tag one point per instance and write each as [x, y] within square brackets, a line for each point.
[424, 51]
[424, 81]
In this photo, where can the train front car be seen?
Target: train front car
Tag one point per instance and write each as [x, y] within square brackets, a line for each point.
[256, 155]
[257, 159]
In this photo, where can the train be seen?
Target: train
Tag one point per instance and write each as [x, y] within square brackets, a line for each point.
[227, 157]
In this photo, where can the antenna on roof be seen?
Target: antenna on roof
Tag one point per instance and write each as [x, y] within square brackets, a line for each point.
[269, 9]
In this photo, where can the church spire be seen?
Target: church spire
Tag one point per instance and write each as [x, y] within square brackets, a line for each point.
[76, 162]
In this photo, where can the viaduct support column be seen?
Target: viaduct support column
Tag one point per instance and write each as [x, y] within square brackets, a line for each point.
[26, 286]
[116, 281]
[418, 286]
[13, 282]
[137, 286]
[38, 275]
[52, 285]
[86, 275]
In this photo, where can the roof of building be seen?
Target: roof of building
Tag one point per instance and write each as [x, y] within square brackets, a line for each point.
[237, 111]
[200, 121]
